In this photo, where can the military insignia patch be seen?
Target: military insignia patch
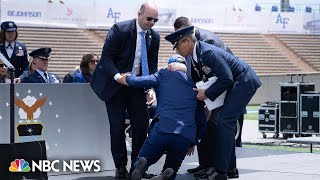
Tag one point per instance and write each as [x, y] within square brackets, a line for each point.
[206, 69]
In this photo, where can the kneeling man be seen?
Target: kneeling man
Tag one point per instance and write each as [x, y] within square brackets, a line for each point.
[176, 128]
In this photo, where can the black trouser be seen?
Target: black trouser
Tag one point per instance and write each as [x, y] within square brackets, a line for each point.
[134, 101]
[205, 148]
[206, 151]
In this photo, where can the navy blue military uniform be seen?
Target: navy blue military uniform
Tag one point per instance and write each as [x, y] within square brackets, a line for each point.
[233, 75]
[241, 82]
[118, 57]
[19, 58]
[37, 78]
[205, 150]
[37, 75]
[176, 129]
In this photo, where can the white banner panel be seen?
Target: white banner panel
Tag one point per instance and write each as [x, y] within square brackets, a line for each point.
[225, 17]
[73, 13]
[285, 22]
[24, 12]
[311, 23]
[107, 13]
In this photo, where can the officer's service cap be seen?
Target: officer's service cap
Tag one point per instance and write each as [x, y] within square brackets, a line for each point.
[8, 26]
[177, 58]
[176, 36]
[42, 53]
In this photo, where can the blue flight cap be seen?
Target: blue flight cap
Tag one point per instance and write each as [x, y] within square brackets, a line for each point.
[176, 36]
[42, 53]
[177, 58]
[8, 26]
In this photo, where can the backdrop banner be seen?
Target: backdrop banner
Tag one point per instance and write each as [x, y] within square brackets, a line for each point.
[96, 14]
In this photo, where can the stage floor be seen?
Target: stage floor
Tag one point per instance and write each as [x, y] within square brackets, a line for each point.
[253, 164]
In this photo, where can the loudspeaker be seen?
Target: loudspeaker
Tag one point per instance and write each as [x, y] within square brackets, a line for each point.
[310, 113]
[29, 151]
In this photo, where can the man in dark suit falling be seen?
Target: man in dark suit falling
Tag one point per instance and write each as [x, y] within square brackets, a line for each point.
[13, 50]
[234, 75]
[130, 46]
[41, 75]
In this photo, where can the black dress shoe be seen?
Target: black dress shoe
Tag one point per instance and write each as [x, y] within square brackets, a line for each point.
[122, 173]
[233, 173]
[197, 169]
[166, 174]
[205, 172]
[139, 169]
[217, 176]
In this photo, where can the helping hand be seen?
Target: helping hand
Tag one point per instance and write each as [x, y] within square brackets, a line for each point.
[122, 79]
[190, 151]
[151, 97]
[201, 96]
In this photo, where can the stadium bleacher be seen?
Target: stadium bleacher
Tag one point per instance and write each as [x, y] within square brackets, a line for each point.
[305, 46]
[70, 44]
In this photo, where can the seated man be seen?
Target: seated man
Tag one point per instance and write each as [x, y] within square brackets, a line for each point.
[41, 75]
[176, 129]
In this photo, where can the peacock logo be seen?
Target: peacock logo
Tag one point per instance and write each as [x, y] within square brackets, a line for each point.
[19, 165]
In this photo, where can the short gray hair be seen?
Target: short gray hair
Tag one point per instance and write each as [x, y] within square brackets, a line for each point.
[176, 66]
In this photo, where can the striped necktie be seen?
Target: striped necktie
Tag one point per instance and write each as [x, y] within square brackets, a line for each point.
[144, 58]
[46, 77]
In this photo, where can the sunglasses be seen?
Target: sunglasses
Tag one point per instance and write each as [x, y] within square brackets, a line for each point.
[151, 18]
[2, 65]
[94, 61]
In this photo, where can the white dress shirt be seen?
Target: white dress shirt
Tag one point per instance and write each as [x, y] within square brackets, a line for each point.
[194, 55]
[42, 75]
[9, 49]
[137, 58]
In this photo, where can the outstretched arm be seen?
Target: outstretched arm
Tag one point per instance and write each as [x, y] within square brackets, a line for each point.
[143, 81]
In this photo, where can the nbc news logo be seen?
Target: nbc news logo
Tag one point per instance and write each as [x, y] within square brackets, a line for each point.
[19, 165]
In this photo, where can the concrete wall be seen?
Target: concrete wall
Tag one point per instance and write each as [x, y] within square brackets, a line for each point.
[270, 89]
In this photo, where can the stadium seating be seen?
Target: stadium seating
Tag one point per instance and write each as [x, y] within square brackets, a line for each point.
[261, 55]
[70, 44]
[305, 46]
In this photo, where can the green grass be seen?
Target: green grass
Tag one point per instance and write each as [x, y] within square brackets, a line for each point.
[283, 148]
[253, 107]
[252, 115]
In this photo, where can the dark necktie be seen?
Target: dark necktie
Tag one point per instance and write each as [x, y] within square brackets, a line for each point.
[144, 58]
[46, 77]
[9, 46]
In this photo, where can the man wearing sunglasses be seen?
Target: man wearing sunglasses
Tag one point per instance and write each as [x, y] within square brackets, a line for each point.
[130, 46]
